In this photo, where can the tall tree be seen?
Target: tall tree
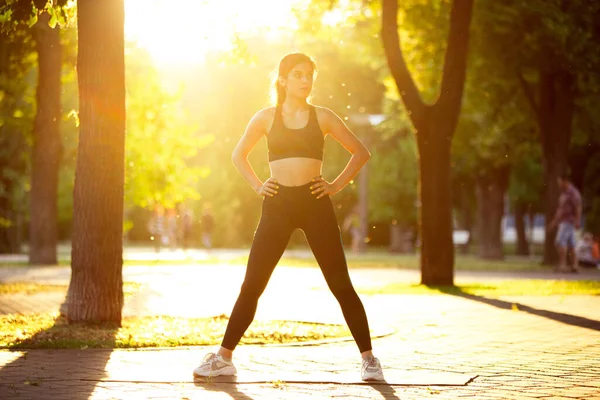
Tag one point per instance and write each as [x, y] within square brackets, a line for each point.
[434, 125]
[555, 66]
[16, 116]
[494, 134]
[47, 147]
[46, 152]
[96, 287]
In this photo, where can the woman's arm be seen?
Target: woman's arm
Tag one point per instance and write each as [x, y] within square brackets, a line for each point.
[254, 132]
[333, 125]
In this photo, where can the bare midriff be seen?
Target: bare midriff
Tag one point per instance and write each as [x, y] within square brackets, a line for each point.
[295, 171]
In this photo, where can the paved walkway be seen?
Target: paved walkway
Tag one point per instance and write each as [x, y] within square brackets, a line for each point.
[444, 346]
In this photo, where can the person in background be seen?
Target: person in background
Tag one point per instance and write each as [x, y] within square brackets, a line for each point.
[171, 231]
[187, 220]
[568, 220]
[352, 225]
[207, 222]
[587, 251]
[156, 226]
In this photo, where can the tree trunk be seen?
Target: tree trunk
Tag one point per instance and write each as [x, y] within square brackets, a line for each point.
[522, 242]
[435, 125]
[96, 287]
[555, 118]
[437, 246]
[490, 190]
[47, 148]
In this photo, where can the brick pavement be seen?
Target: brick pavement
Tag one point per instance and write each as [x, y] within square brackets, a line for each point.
[446, 347]
[167, 290]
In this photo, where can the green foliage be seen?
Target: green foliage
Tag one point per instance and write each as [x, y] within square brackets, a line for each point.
[222, 98]
[393, 176]
[423, 29]
[160, 142]
[527, 181]
[15, 13]
[344, 38]
[554, 36]
[17, 87]
[69, 130]
[17, 80]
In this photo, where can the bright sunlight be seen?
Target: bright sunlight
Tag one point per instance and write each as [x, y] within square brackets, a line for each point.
[185, 31]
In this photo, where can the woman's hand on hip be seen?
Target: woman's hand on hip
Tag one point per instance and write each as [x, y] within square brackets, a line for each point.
[269, 188]
[320, 187]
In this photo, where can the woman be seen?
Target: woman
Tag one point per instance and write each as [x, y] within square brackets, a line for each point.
[295, 196]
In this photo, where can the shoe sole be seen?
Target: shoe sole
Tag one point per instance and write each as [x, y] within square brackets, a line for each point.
[227, 371]
[378, 377]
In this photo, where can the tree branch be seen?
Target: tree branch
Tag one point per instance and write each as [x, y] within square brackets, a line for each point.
[528, 94]
[455, 62]
[393, 52]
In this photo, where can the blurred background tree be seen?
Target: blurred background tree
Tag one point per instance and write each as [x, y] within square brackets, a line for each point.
[192, 87]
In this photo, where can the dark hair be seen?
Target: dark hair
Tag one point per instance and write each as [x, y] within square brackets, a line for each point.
[286, 64]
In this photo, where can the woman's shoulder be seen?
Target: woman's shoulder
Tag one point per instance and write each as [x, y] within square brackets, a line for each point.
[263, 118]
[325, 116]
[323, 111]
[267, 112]
[265, 115]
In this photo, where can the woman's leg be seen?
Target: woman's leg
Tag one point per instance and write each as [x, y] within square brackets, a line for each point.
[323, 235]
[270, 240]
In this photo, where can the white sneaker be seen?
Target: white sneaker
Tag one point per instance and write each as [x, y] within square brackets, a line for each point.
[371, 370]
[214, 365]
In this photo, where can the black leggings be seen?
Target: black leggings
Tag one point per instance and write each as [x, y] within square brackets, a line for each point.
[292, 208]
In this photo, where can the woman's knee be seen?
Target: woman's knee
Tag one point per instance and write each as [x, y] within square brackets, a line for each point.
[251, 291]
[343, 291]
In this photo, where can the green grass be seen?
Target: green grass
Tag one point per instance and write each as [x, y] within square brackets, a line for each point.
[29, 288]
[529, 287]
[372, 259]
[129, 288]
[23, 263]
[51, 331]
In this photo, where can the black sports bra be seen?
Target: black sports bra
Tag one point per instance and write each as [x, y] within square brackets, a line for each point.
[284, 142]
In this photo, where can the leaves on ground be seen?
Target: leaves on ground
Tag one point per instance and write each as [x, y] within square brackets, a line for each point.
[52, 331]
[33, 288]
[523, 287]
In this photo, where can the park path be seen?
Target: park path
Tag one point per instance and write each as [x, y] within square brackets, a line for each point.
[433, 346]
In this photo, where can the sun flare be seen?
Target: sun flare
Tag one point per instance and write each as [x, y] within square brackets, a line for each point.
[184, 31]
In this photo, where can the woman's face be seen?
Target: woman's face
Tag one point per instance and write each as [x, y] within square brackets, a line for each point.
[299, 81]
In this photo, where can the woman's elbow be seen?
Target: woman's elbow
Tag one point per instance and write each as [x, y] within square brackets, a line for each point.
[364, 155]
[237, 156]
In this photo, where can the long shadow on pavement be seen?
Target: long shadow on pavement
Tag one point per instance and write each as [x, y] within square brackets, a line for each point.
[507, 305]
[386, 390]
[230, 388]
[52, 373]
